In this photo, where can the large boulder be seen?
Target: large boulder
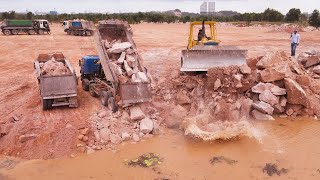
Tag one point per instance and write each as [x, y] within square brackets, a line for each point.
[295, 93]
[183, 98]
[136, 113]
[271, 59]
[269, 98]
[275, 73]
[175, 116]
[311, 61]
[146, 125]
[261, 116]
[261, 87]
[263, 107]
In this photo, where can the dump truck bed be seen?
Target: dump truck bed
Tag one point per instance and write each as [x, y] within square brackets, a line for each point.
[129, 92]
[201, 58]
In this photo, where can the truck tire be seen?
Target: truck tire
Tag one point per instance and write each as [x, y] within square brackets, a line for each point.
[91, 91]
[31, 32]
[14, 32]
[104, 97]
[46, 104]
[88, 33]
[40, 31]
[6, 32]
[112, 104]
[85, 84]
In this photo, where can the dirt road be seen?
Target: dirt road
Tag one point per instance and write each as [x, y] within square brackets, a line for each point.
[57, 130]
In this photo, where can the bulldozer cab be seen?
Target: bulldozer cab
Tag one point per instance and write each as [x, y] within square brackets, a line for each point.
[202, 33]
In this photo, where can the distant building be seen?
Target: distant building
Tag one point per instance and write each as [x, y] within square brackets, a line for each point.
[53, 12]
[177, 12]
[204, 8]
[211, 7]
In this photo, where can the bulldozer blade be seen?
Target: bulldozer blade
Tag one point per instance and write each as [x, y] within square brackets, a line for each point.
[197, 60]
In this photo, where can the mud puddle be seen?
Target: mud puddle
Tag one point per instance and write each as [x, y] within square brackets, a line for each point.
[294, 145]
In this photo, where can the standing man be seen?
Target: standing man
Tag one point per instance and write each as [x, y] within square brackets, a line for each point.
[295, 39]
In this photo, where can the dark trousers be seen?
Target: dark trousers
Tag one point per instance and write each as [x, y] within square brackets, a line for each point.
[293, 49]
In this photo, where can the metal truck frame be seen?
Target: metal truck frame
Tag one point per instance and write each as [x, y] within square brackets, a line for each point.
[57, 90]
[86, 28]
[39, 27]
[108, 87]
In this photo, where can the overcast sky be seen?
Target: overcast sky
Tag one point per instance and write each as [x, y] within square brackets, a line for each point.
[152, 5]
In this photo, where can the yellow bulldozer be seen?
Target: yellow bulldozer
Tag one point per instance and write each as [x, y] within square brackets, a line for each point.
[205, 52]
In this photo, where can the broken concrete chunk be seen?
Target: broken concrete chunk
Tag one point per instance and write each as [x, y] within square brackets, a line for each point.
[217, 84]
[263, 107]
[127, 68]
[121, 58]
[296, 95]
[142, 76]
[27, 137]
[245, 69]
[146, 125]
[136, 113]
[131, 61]
[269, 98]
[311, 61]
[261, 87]
[261, 116]
[119, 47]
[125, 136]
[276, 73]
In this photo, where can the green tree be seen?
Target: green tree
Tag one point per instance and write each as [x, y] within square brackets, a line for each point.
[248, 17]
[272, 15]
[29, 15]
[314, 19]
[12, 15]
[293, 15]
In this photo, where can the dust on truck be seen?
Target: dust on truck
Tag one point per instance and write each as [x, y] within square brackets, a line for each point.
[31, 27]
[57, 81]
[78, 27]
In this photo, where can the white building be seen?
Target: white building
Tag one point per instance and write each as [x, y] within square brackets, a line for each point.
[211, 7]
[204, 8]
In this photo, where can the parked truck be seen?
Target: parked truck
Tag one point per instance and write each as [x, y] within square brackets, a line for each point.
[105, 75]
[78, 27]
[31, 27]
[57, 81]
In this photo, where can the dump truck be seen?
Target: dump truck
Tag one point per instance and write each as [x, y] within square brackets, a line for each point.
[31, 27]
[57, 81]
[121, 79]
[78, 27]
[204, 52]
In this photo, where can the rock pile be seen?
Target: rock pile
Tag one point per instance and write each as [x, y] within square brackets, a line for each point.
[54, 68]
[125, 62]
[108, 130]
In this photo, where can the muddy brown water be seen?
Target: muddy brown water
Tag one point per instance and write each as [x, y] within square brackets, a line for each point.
[290, 144]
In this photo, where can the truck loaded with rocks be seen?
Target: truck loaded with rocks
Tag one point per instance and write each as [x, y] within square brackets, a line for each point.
[122, 79]
[31, 27]
[78, 27]
[57, 81]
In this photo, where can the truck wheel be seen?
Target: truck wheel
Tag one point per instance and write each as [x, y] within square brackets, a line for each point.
[85, 84]
[88, 33]
[44, 104]
[7, 32]
[104, 97]
[14, 32]
[91, 91]
[41, 32]
[31, 32]
[112, 104]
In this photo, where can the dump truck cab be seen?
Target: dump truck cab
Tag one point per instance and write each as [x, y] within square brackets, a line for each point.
[90, 68]
[65, 25]
[43, 24]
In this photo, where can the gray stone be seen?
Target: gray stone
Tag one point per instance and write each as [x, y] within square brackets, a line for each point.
[104, 134]
[136, 113]
[27, 137]
[135, 137]
[275, 73]
[269, 98]
[311, 61]
[261, 116]
[146, 125]
[245, 69]
[296, 95]
[283, 101]
[263, 107]
[125, 136]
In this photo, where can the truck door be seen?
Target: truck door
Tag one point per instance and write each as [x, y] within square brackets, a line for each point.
[41, 24]
[65, 25]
